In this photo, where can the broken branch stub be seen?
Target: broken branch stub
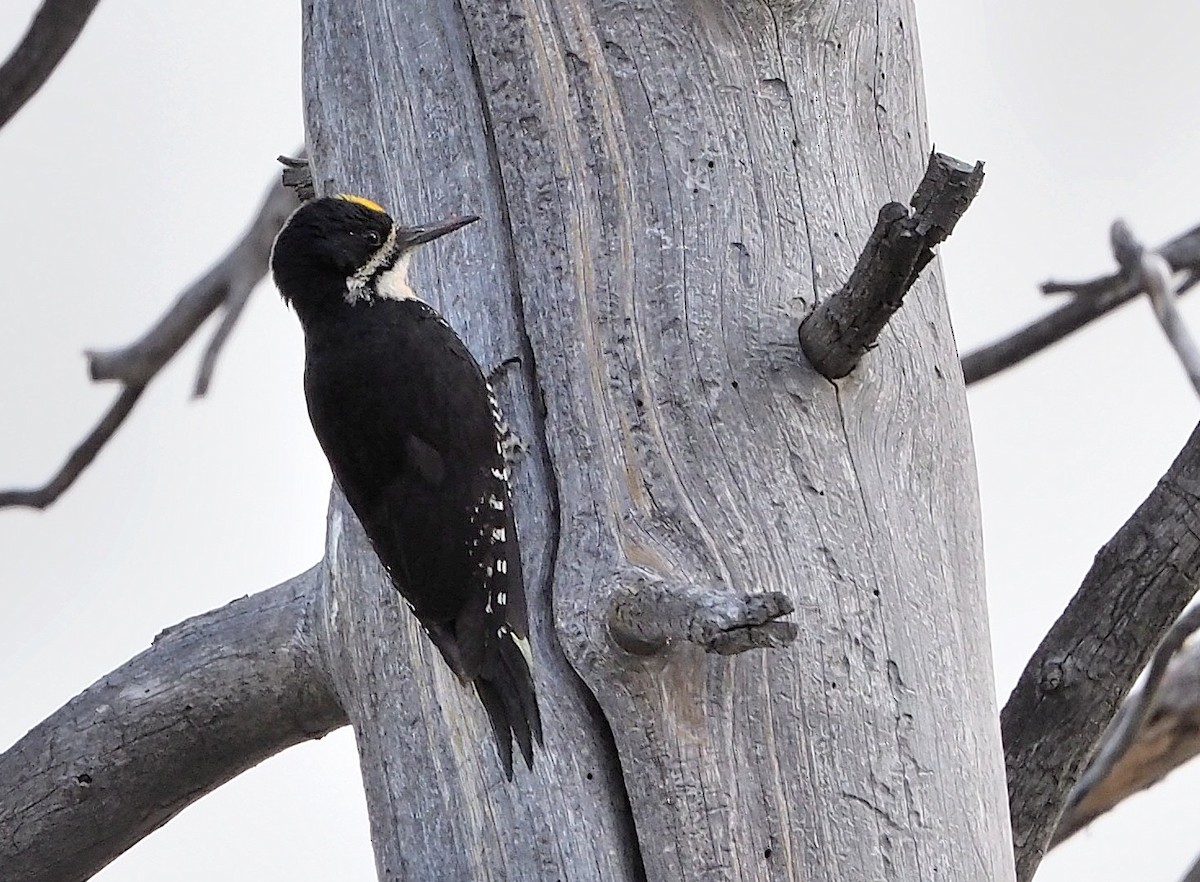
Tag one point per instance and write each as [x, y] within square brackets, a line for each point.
[645, 616]
[837, 334]
[297, 176]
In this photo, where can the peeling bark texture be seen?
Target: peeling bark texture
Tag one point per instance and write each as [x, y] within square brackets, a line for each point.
[211, 698]
[667, 187]
[1140, 582]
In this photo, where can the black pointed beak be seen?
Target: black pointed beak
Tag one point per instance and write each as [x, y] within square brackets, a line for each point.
[419, 235]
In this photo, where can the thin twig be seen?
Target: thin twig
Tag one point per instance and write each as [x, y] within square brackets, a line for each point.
[837, 334]
[227, 283]
[1092, 299]
[53, 31]
[1154, 273]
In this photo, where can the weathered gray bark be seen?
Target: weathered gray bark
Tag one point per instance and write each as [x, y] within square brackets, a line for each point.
[212, 697]
[668, 187]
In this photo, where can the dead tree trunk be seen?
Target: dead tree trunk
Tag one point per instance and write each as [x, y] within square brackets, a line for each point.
[668, 188]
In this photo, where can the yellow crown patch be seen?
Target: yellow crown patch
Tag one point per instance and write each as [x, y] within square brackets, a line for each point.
[363, 201]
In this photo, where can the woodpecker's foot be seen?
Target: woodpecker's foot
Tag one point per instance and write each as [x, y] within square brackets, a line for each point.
[512, 447]
[646, 616]
[498, 371]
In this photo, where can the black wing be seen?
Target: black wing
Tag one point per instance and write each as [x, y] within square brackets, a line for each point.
[413, 436]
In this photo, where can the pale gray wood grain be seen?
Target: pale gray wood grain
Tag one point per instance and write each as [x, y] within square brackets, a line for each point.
[211, 698]
[668, 186]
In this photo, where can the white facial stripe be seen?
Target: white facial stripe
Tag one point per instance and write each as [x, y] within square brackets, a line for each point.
[392, 284]
[357, 282]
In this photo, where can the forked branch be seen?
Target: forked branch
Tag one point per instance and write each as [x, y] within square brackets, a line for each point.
[1091, 300]
[228, 284]
[1156, 730]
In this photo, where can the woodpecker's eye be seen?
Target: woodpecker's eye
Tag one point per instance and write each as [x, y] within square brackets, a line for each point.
[373, 237]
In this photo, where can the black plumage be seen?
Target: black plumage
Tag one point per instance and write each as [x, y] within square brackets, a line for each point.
[415, 440]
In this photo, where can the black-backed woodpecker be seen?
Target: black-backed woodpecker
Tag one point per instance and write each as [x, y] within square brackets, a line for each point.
[416, 442]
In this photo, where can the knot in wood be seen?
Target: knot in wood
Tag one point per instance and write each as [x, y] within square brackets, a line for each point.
[1053, 677]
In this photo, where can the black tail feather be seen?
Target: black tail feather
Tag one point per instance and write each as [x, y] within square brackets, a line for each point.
[498, 716]
[516, 667]
[504, 684]
[505, 687]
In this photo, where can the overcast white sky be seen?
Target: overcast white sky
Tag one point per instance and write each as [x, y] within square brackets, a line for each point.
[149, 150]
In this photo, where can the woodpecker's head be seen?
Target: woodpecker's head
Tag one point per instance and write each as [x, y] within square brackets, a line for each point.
[347, 248]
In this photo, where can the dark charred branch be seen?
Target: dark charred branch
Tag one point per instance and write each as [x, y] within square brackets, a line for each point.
[53, 31]
[842, 329]
[1139, 584]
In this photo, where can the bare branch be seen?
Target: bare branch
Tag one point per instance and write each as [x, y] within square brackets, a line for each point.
[81, 457]
[837, 334]
[645, 616]
[1156, 730]
[1154, 274]
[212, 697]
[1092, 300]
[53, 31]
[238, 293]
[1139, 584]
[229, 283]
[233, 276]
